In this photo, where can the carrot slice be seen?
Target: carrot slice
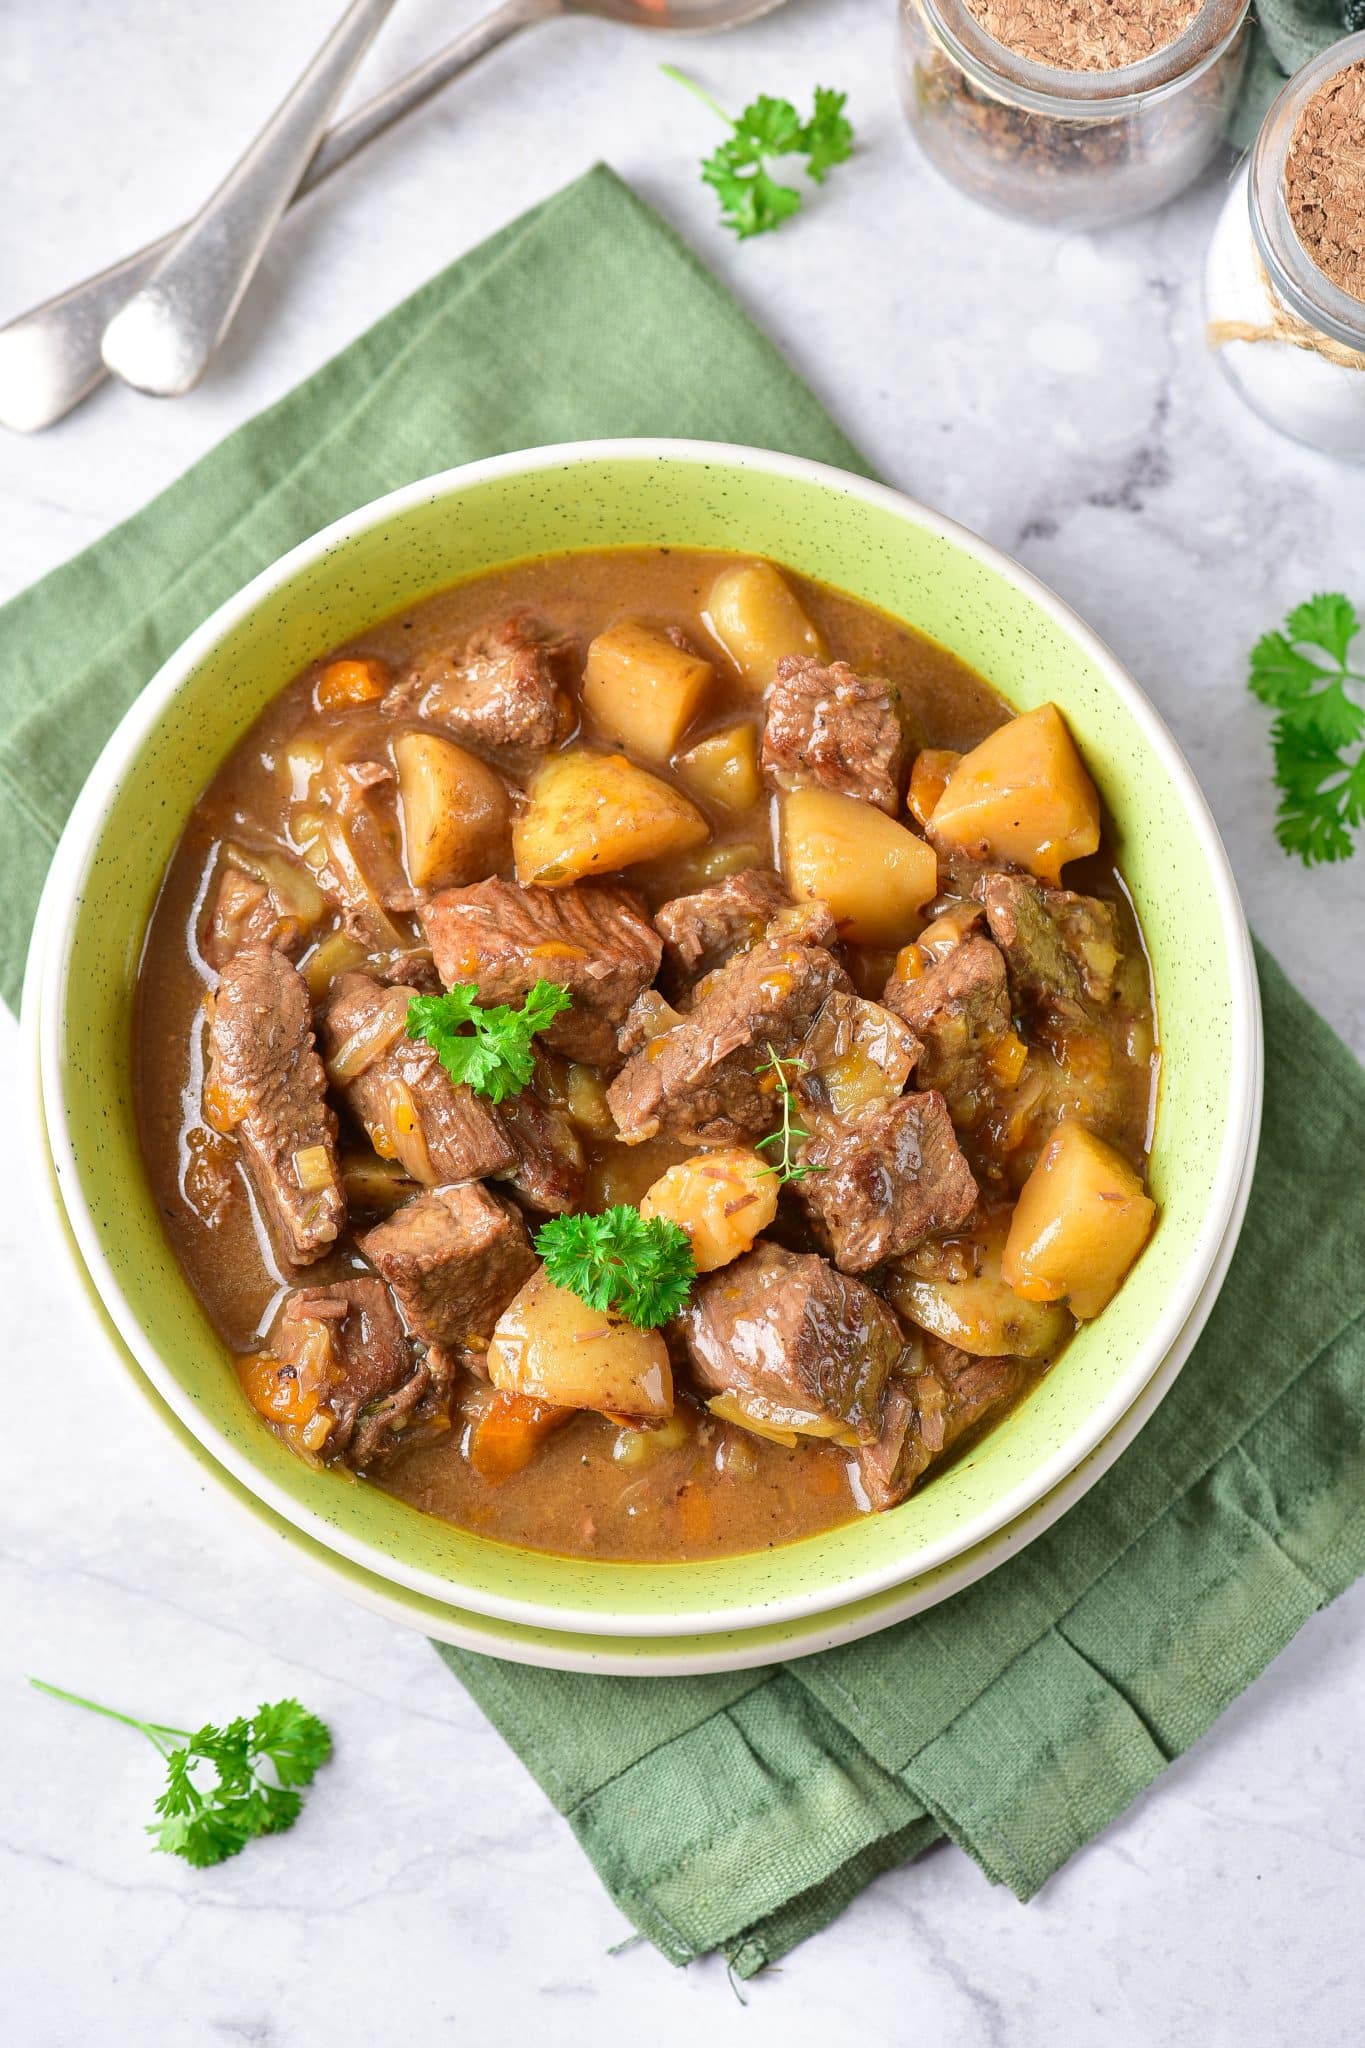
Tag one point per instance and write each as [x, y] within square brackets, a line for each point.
[510, 1431]
[350, 681]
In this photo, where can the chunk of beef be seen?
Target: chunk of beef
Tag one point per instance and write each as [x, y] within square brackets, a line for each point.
[882, 1184]
[550, 1168]
[413, 1413]
[701, 931]
[828, 725]
[926, 1412]
[265, 1083]
[793, 1340]
[398, 1090]
[503, 689]
[244, 913]
[593, 938]
[345, 1345]
[454, 1258]
[699, 1079]
[1062, 950]
[959, 1009]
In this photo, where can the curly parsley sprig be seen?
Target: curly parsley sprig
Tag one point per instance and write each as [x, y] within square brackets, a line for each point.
[790, 1133]
[1319, 730]
[489, 1047]
[204, 1822]
[623, 1263]
[752, 201]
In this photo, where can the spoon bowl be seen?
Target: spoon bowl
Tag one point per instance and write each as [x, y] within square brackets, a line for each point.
[50, 356]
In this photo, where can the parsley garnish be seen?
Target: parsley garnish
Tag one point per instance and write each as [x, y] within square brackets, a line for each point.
[790, 1133]
[751, 199]
[623, 1263]
[494, 1055]
[1316, 737]
[207, 1823]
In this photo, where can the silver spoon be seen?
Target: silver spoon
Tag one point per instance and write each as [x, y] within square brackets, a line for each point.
[164, 338]
[50, 356]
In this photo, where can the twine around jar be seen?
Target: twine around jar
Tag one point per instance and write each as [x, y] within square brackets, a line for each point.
[1285, 326]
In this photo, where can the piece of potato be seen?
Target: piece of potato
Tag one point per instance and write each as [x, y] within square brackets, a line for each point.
[642, 689]
[928, 779]
[456, 817]
[766, 1418]
[576, 1091]
[723, 768]
[713, 861]
[637, 1444]
[752, 611]
[1022, 796]
[551, 1346]
[626, 1173]
[722, 1200]
[875, 875]
[591, 813]
[978, 1311]
[585, 1101]
[1081, 1219]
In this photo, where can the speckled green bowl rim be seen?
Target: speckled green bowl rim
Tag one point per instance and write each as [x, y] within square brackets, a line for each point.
[859, 537]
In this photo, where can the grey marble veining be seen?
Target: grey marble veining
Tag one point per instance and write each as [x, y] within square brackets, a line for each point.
[1050, 391]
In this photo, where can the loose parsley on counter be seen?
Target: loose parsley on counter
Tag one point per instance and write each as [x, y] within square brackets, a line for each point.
[752, 201]
[203, 1822]
[1319, 730]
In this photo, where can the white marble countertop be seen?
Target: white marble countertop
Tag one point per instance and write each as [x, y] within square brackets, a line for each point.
[1050, 391]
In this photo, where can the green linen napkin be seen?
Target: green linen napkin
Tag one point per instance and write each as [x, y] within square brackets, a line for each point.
[742, 1812]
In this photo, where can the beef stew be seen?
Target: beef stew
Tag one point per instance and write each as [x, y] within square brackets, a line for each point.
[665, 887]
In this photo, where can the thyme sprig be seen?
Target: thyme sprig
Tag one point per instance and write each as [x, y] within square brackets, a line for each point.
[790, 1132]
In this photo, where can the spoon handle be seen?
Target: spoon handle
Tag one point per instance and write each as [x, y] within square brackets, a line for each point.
[164, 338]
[416, 87]
[50, 356]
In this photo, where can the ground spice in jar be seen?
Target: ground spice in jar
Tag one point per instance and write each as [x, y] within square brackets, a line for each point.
[1324, 179]
[1134, 108]
[1086, 35]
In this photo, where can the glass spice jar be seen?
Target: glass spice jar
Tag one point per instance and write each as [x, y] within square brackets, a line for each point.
[1290, 340]
[1070, 148]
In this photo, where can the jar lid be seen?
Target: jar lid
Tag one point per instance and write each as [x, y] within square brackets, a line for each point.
[1306, 290]
[1051, 89]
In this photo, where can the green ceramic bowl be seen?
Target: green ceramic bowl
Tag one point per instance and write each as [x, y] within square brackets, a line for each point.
[863, 539]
